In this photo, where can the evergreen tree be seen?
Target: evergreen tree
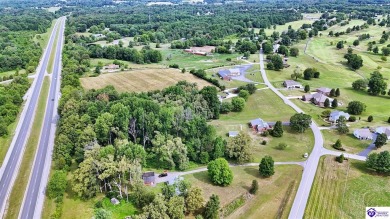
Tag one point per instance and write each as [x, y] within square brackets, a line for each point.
[307, 88]
[327, 103]
[254, 187]
[337, 94]
[212, 208]
[334, 103]
[277, 131]
[332, 92]
[266, 166]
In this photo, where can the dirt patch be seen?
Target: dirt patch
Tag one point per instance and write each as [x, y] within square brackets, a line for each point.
[141, 80]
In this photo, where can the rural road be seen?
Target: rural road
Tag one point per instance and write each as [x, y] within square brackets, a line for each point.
[310, 167]
[34, 195]
[10, 167]
[173, 175]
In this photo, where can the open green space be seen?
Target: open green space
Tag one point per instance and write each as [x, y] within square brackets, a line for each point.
[270, 197]
[262, 104]
[190, 61]
[23, 176]
[53, 51]
[344, 190]
[350, 143]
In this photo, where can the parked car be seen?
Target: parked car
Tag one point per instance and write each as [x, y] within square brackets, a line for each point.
[305, 155]
[163, 174]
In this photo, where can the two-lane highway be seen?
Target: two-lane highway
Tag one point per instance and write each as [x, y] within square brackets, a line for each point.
[10, 167]
[33, 199]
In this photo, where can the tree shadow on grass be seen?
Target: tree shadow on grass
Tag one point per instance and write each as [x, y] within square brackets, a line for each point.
[252, 171]
[203, 177]
[361, 166]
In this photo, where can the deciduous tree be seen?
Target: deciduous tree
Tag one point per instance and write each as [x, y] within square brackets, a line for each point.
[220, 172]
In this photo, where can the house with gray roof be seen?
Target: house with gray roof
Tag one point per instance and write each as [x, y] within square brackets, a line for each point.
[317, 98]
[335, 115]
[259, 125]
[363, 134]
[290, 84]
[324, 90]
[383, 130]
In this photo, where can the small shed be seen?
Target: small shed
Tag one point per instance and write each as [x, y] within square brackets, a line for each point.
[149, 178]
[233, 134]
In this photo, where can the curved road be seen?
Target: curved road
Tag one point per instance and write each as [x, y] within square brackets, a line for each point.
[10, 167]
[302, 196]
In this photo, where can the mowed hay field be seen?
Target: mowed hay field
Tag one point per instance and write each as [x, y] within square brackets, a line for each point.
[275, 194]
[345, 190]
[141, 80]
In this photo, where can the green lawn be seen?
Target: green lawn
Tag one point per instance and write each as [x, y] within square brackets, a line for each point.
[262, 104]
[190, 61]
[345, 190]
[271, 195]
[266, 105]
[53, 51]
[350, 143]
[121, 210]
[23, 176]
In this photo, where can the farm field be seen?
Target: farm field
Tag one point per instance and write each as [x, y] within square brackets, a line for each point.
[276, 192]
[141, 80]
[343, 190]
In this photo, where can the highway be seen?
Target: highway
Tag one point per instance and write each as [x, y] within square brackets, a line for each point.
[34, 195]
[10, 167]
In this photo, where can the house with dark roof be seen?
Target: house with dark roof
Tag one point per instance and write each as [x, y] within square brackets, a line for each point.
[335, 115]
[292, 84]
[363, 134]
[259, 125]
[149, 178]
[227, 74]
[317, 98]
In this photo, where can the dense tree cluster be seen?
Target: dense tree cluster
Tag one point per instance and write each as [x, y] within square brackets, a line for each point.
[165, 23]
[379, 162]
[11, 98]
[17, 30]
[146, 55]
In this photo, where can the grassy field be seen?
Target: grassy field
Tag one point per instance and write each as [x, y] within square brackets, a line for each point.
[350, 143]
[262, 104]
[190, 61]
[23, 177]
[141, 80]
[53, 53]
[270, 196]
[344, 190]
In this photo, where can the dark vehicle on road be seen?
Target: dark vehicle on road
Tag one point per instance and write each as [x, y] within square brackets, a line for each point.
[163, 174]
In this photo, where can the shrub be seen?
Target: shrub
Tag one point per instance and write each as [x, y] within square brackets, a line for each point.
[340, 158]
[254, 187]
[370, 118]
[281, 146]
[264, 142]
[174, 66]
[353, 118]
[265, 134]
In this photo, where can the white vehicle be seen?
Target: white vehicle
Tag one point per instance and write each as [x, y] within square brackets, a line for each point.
[305, 155]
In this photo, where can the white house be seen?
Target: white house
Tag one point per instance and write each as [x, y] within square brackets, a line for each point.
[335, 115]
[363, 134]
[385, 130]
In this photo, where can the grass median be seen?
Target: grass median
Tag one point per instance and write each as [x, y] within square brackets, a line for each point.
[49, 68]
[17, 193]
